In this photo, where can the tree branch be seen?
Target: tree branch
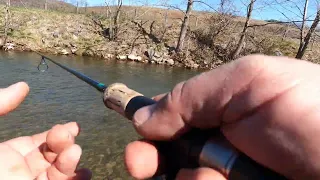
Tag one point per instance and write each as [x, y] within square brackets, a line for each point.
[279, 22]
[206, 5]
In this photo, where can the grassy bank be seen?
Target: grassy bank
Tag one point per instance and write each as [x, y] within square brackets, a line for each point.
[207, 46]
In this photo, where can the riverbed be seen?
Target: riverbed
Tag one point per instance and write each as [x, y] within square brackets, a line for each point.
[56, 97]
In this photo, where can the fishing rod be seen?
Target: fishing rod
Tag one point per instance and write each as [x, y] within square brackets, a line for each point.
[197, 148]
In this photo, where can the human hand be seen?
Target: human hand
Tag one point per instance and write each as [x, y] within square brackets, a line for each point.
[51, 155]
[267, 107]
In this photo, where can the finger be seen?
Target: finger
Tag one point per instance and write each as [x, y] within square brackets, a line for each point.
[72, 127]
[59, 138]
[199, 174]
[142, 159]
[66, 164]
[12, 96]
[220, 96]
[81, 174]
[25, 145]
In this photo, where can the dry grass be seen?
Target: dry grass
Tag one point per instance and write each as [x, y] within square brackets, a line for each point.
[210, 41]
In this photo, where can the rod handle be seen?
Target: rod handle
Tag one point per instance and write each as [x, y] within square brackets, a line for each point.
[192, 150]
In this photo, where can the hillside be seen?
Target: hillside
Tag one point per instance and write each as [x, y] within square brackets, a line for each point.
[52, 4]
[145, 31]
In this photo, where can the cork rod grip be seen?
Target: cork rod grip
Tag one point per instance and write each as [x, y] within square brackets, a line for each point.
[124, 100]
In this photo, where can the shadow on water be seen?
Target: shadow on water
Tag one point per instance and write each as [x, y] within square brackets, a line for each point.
[58, 97]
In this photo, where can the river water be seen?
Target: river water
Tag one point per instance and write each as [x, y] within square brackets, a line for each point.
[58, 97]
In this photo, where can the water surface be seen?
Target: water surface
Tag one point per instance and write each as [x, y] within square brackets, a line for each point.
[58, 97]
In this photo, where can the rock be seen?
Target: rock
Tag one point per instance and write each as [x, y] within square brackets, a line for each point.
[74, 50]
[108, 56]
[79, 52]
[88, 52]
[196, 66]
[278, 53]
[9, 46]
[75, 37]
[64, 52]
[150, 53]
[134, 58]
[152, 62]
[157, 60]
[157, 55]
[121, 57]
[56, 34]
[169, 62]
[191, 64]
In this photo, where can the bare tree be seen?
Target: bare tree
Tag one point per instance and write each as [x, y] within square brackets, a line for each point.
[240, 44]
[116, 20]
[77, 7]
[85, 6]
[302, 30]
[6, 22]
[46, 5]
[306, 40]
[184, 26]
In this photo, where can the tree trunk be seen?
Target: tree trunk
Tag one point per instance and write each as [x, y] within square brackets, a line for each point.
[46, 5]
[184, 26]
[244, 31]
[77, 7]
[115, 21]
[307, 39]
[6, 21]
[302, 32]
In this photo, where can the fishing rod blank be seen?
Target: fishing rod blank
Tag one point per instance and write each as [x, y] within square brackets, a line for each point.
[197, 148]
[99, 86]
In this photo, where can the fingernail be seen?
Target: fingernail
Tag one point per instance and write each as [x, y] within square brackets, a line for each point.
[143, 114]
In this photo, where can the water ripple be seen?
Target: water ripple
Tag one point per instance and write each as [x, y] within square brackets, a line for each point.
[57, 97]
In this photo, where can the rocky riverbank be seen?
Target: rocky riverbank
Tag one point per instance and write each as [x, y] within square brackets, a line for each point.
[78, 34]
[144, 40]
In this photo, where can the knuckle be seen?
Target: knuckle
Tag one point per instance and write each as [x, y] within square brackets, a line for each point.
[250, 62]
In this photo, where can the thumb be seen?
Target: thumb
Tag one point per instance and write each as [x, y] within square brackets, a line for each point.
[219, 96]
[12, 96]
[192, 103]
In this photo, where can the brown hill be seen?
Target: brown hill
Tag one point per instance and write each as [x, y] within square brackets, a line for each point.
[52, 4]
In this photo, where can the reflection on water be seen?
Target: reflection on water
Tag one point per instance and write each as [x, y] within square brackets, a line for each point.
[58, 97]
